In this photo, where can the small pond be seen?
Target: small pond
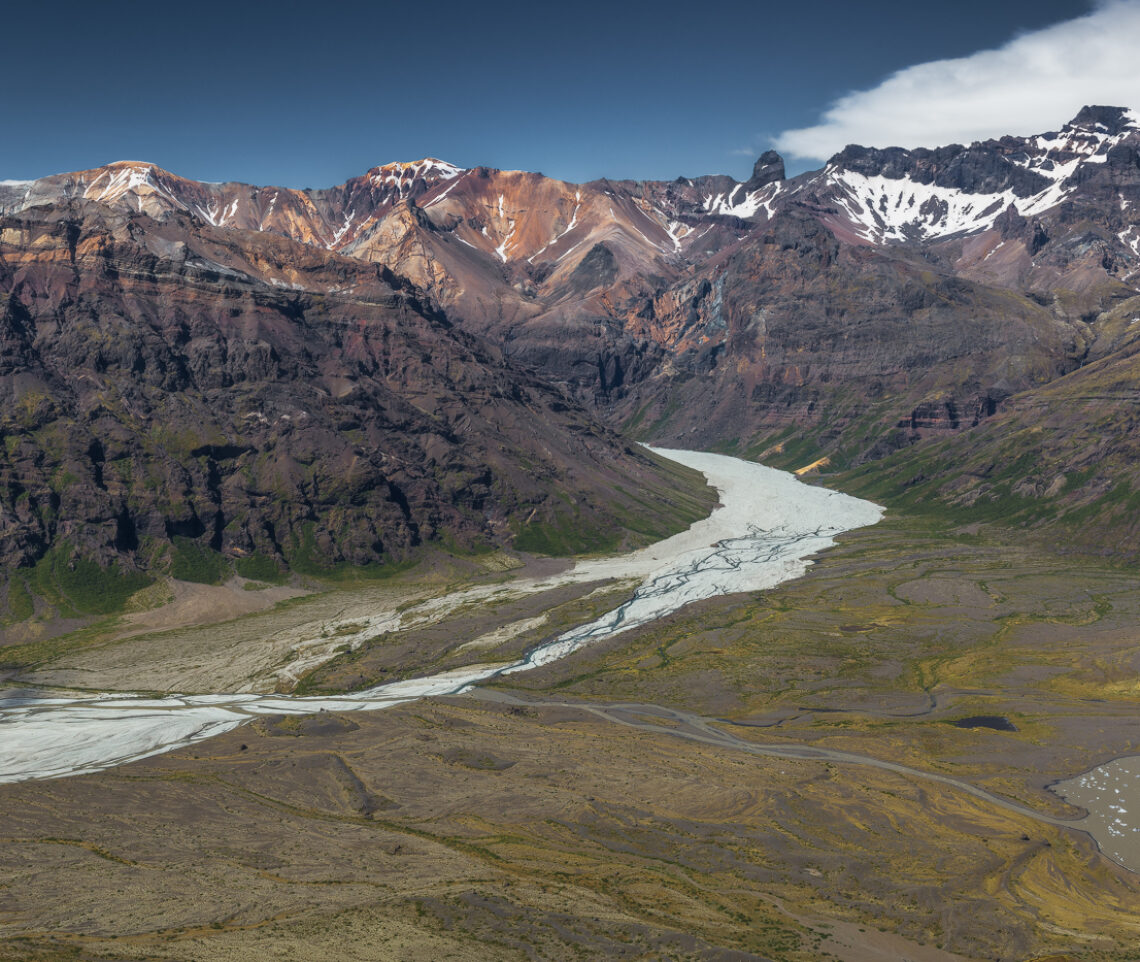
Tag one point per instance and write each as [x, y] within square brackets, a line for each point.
[998, 723]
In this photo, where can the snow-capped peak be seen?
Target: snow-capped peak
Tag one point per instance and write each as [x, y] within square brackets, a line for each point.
[132, 178]
[429, 169]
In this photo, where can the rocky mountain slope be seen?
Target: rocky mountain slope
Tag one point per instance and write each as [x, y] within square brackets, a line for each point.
[1059, 460]
[928, 284]
[973, 298]
[180, 396]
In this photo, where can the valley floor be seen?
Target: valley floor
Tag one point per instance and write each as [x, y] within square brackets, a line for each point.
[522, 822]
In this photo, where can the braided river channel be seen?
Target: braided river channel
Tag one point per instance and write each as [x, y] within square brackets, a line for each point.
[765, 528]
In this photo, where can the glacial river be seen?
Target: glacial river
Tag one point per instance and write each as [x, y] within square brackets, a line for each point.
[767, 525]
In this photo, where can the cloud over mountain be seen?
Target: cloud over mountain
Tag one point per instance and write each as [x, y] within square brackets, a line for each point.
[1020, 88]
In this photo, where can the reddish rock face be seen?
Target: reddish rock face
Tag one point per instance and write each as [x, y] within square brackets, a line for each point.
[551, 270]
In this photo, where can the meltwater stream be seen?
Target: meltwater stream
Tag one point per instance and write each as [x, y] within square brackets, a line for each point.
[767, 526]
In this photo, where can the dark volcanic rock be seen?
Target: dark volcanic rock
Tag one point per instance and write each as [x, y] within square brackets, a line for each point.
[979, 169]
[598, 268]
[769, 169]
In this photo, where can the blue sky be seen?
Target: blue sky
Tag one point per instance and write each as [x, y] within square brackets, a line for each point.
[309, 96]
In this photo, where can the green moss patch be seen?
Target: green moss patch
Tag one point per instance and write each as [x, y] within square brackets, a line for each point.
[191, 561]
[76, 585]
[259, 567]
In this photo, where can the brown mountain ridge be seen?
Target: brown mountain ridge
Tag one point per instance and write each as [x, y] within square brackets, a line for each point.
[424, 353]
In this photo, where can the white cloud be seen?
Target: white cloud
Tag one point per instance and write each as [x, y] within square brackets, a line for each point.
[1034, 83]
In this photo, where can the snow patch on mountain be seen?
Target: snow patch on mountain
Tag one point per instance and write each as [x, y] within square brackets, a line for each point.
[1131, 239]
[745, 205]
[269, 212]
[450, 188]
[884, 209]
[343, 229]
[217, 213]
[501, 250]
[1059, 155]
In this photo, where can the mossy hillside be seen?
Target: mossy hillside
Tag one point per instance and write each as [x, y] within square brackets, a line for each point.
[74, 584]
[1059, 462]
[70, 585]
[1079, 491]
[18, 604]
[260, 567]
[638, 514]
[192, 561]
[304, 557]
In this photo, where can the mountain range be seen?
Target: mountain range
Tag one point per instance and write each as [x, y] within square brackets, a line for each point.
[432, 354]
